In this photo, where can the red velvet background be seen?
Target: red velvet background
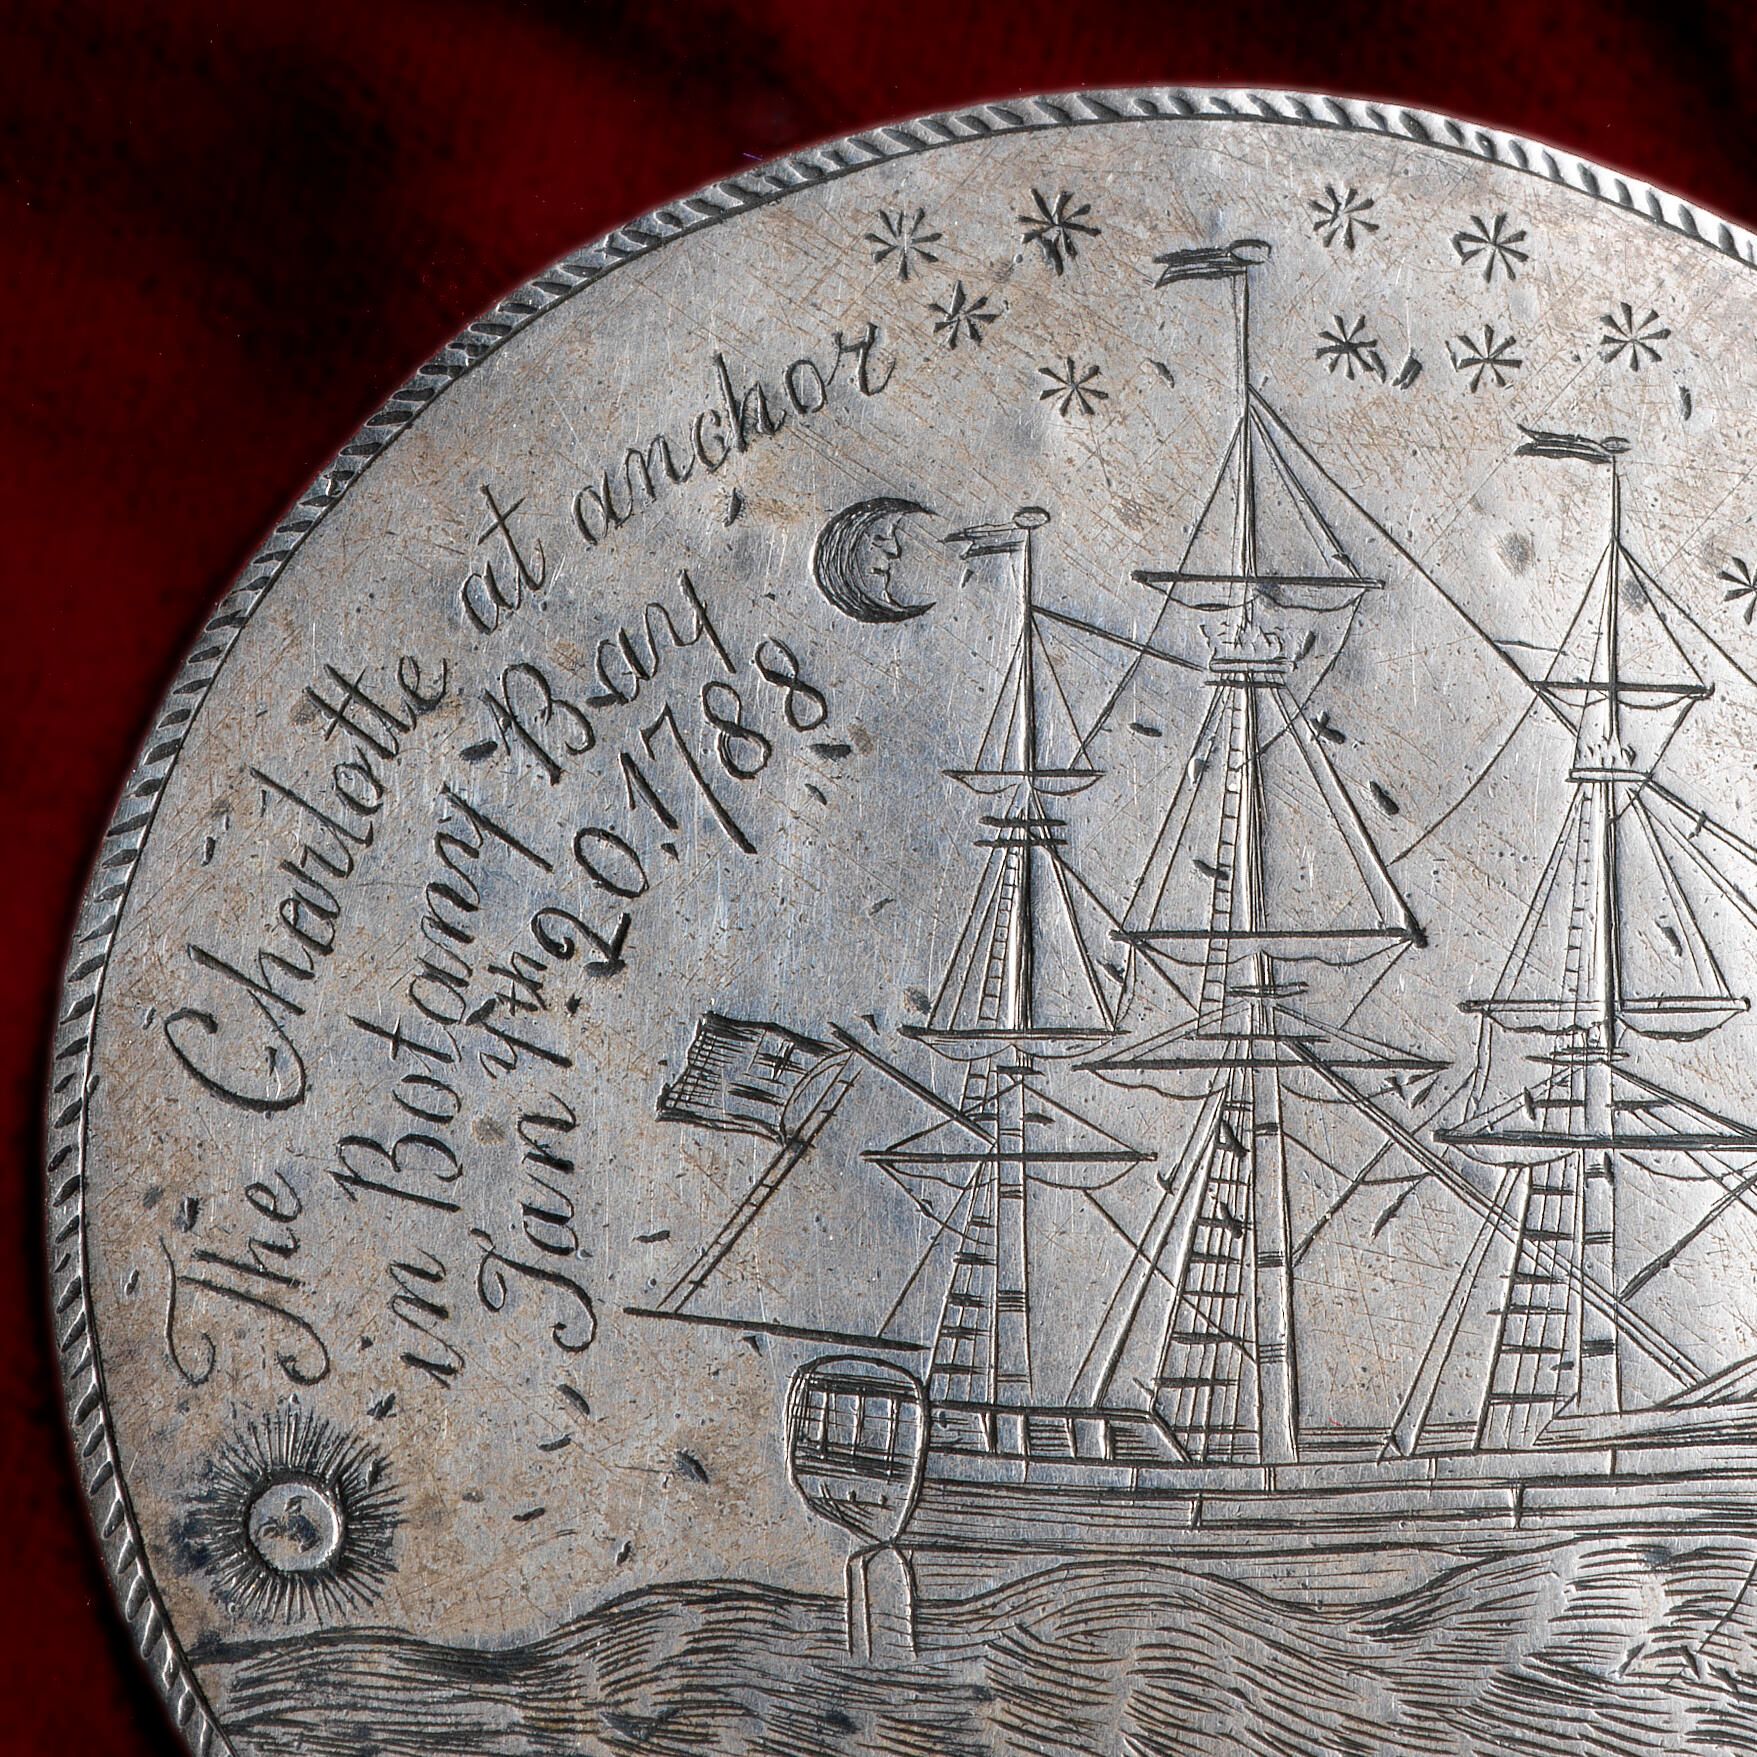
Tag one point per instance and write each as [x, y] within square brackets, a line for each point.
[228, 232]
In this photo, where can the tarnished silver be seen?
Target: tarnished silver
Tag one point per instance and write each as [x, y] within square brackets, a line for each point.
[958, 959]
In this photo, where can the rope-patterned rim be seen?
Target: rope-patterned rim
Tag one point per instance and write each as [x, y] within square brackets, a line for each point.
[113, 868]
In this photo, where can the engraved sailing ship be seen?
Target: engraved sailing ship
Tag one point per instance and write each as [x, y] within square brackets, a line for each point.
[1218, 992]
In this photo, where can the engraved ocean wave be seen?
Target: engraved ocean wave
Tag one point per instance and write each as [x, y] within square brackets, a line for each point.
[1607, 1650]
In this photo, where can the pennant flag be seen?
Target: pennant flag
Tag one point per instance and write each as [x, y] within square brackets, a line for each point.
[1211, 262]
[741, 1075]
[1540, 443]
[1007, 539]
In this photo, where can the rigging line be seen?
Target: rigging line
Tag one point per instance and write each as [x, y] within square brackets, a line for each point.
[1089, 970]
[1731, 1198]
[1055, 678]
[1173, 829]
[1355, 1184]
[1317, 759]
[1134, 665]
[1175, 1189]
[1701, 952]
[1482, 775]
[1456, 605]
[1718, 881]
[1316, 524]
[1142, 648]
[1659, 1348]
[1139, 1257]
[1354, 610]
[1570, 836]
[1402, 951]
[1703, 820]
[1745, 1140]
[1103, 908]
[966, 1195]
[1360, 1178]
[780, 1167]
[763, 1326]
[1211, 1330]
[1418, 1403]
[898, 1179]
[925, 1093]
[1659, 591]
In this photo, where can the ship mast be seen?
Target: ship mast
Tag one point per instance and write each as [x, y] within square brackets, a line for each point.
[1263, 866]
[1022, 986]
[1610, 949]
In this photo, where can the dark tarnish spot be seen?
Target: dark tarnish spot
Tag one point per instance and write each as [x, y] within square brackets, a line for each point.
[1145, 730]
[1384, 801]
[817, 793]
[653, 1238]
[188, 1211]
[152, 1196]
[838, 1722]
[577, 1399]
[692, 1467]
[833, 749]
[882, 904]
[386, 1405]
[528, 1515]
[559, 1444]
[919, 999]
[479, 752]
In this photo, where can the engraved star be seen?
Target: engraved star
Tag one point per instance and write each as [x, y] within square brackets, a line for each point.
[1626, 337]
[1074, 388]
[1349, 346]
[1340, 216]
[904, 237]
[1496, 242]
[1485, 356]
[961, 315]
[1742, 581]
[1056, 227]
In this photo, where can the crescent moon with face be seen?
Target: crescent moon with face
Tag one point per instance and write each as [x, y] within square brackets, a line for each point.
[854, 555]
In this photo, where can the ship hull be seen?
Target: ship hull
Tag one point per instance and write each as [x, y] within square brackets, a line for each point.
[1318, 1534]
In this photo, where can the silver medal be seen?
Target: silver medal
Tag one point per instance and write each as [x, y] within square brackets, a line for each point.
[958, 959]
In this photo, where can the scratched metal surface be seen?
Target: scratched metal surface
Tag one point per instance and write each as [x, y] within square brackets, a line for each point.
[957, 959]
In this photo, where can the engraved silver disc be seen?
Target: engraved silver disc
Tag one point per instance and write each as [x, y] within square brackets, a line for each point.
[958, 959]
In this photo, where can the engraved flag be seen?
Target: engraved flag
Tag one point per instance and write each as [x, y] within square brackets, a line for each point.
[1007, 539]
[1542, 443]
[743, 1075]
[1211, 262]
